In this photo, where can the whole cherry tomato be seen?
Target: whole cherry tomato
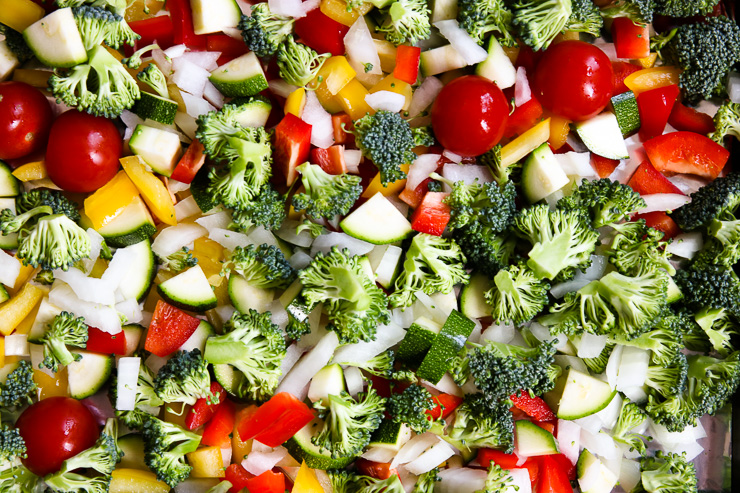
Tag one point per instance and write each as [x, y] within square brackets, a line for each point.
[574, 80]
[469, 115]
[83, 151]
[54, 430]
[25, 118]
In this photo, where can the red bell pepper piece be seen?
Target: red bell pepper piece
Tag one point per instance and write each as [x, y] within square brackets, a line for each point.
[687, 152]
[647, 181]
[103, 342]
[552, 477]
[159, 29]
[621, 71]
[340, 122]
[229, 47]
[546, 425]
[685, 118]
[238, 477]
[169, 329]
[378, 470]
[508, 461]
[190, 163]
[413, 197]
[322, 33]
[523, 118]
[603, 165]
[217, 430]
[444, 404]
[535, 407]
[276, 420]
[432, 215]
[566, 465]
[661, 221]
[655, 107]
[631, 40]
[205, 407]
[182, 21]
[267, 482]
[330, 159]
[407, 63]
[292, 143]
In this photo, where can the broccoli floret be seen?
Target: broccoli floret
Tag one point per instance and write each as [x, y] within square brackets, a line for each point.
[267, 209]
[705, 51]
[629, 423]
[380, 365]
[638, 249]
[178, 261]
[16, 43]
[666, 473]
[348, 422]
[710, 287]
[685, 8]
[719, 327]
[298, 63]
[539, 21]
[562, 240]
[425, 482]
[716, 200]
[604, 201]
[314, 229]
[598, 364]
[410, 407]
[326, 195]
[263, 31]
[346, 482]
[12, 448]
[101, 86]
[255, 347]
[55, 242]
[98, 25]
[165, 446]
[18, 479]
[432, 264]
[585, 18]
[19, 386]
[146, 398]
[387, 140]
[406, 22]
[480, 205]
[264, 266]
[721, 245]
[355, 305]
[45, 277]
[486, 252]
[153, 77]
[726, 122]
[65, 329]
[640, 11]
[478, 423]
[483, 17]
[497, 480]
[39, 197]
[668, 379]
[117, 6]
[664, 342]
[184, 378]
[516, 295]
[501, 174]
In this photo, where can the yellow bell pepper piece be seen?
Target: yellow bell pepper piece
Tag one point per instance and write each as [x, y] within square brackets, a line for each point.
[512, 52]
[51, 386]
[340, 12]
[525, 143]
[31, 171]
[209, 254]
[19, 14]
[152, 189]
[652, 78]
[559, 129]
[128, 480]
[241, 448]
[296, 102]
[176, 413]
[306, 481]
[352, 100]
[390, 83]
[387, 54]
[142, 9]
[33, 77]
[2, 351]
[391, 189]
[13, 311]
[25, 326]
[26, 273]
[648, 61]
[110, 200]
[333, 76]
[206, 462]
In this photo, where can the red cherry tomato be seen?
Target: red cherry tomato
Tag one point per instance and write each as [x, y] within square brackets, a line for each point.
[574, 80]
[54, 430]
[469, 115]
[83, 151]
[25, 118]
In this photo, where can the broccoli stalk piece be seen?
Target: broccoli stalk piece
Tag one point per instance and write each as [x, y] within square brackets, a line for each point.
[11, 223]
[478, 424]
[411, 406]
[154, 78]
[184, 378]
[165, 446]
[380, 365]
[406, 22]
[480, 205]
[263, 31]
[628, 430]
[719, 327]
[562, 241]
[326, 195]
[355, 305]
[637, 249]
[19, 387]
[669, 379]
[178, 261]
[432, 264]
[298, 63]
[585, 18]
[348, 422]
[516, 295]
[98, 25]
[726, 122]
[267, 209]
[425, 482]
[666, 473]
[254, 347]
[264, 266]
[116, 6]
[149, 75]
[604, 201]
[146, 399]
[387, 140]
[483, 17]
[684, 8]
[314, 229]
[497, 479]
[539, 21]
[65, 329]
[640, 11]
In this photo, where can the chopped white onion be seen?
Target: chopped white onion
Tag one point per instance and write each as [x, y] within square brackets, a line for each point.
[352, 159]
[196, 105]
[543, 334]
[287, 232]
[229, 239]
[520, 481]
[96, 243]
[189, 77]
[569, 439]
[466, 46]
[300, 260]
[131, 310]
[186, 123]
[127, 383]
[379, 454]
[173, 238]
[203, 59]
[262, 459]
[733, 87]
[187, 207]
[387, 336]
[355, 382]
[633, 367]
[612, 366]
[431, 458]
[175, 51]
[213, 95]
[296, 381]
[196, 485]
[461, 480]
[609, 415]
[17, 345]
[600, 444]
[388, 265]
[360, 47]
[260, 235]
[412, 449]
[10, 268]
[522, 92]
[446, 385]
[420, 169]
[590, 345]
[686, 245]
[103, 317]
[424, 95]
[663, 202]
[455, 158]
[322, 130]
[688, 184]
[288, 8]
[89, 289]
[324, 244]
[163, 61]
[386, 100]
[467, 173]
[502, 333]
[576, 164]
[219, 220]
[281, 88]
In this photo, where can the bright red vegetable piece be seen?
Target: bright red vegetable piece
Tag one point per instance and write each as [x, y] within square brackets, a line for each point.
[407, 63]
[647, 181]
[190, 163]
[322, 33]
[535, 407]
[205, 407]
[687, 152]
[292, 143]
[217, 430]
[169, 329]
[25, 119]
[99, 341]
[432, 215]
[655, 107]
[685, 118]
[276, 420]
[631, 39]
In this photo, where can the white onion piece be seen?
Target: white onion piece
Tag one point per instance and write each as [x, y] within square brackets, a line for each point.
[467, 173]
[360, 47]
[733, 87]
[186, 123]
[324, 243]
[131, 310]
[610, 413]
[229, 239]
[196, 105]
[520, 482]
[612, 366]
[590, 345]
[352, 158]
[379, 454]
[600, 444]
[204, 59]
[404, 318]
[17, 345]
[163, 61]
[300, 260]
[288, 8]
[355, 384]
[262, 459]
[461, 480]
[89, 288]
[688, 184]
[103, 317]
[196, 485]
[420, 170]
[219, 220]
[431, 458]
[522, 92]
[260, 235]
[128, 381]
[424, 95]
[466, 46]
[322, 130]
[670, 438]
[386, 100]
[96, 243]
[686, 245]
[569, 439]
[292, 355]
[388, 265]
[428, 304]
[189, 77]
[387, 336]
[281, 88]
[663, 202]
[175, 51]
[119, 267]
[213, 95]
[576, 164]
[309, 5]
[10, 268]
[446, 385]
[455, 158]
[633, 368]
[414, 448]
[173, 238]
[287, 232]
[187, 207]
[296, 381]
[502, 333]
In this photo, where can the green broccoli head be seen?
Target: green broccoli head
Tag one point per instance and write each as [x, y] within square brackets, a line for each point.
[638, 249]
[73, 482]
[406, 22]
[726, 122]
[516, 295]
[426, 482]
[640, 11]
[264, 31]
[380, 365]
[487, 252]
[480, 423]
[12, 448]
[539, 21]
[264, 266]
[16, 43]
[501, 174]
[709, 287]
[497, 479]
[40, 197]
[667, 473]
[410, 407]
[184, 378]
[298, 63]
[254, 347]
[154, 78]
[603, 200]
[483, 17]
[720, 327]
[165, 446]
[631, 419]
[387, 140]
[266, 209]
[668, 379]
[720, 244]
[684, 8]
[326, 195]
[486, 206]
[116, 6]
[585, 18]
[343, 481]
[65, 329]
[19, 386]
[354, 304]
[98, 25]
[178, 261]
[432, 264]
[716, 200]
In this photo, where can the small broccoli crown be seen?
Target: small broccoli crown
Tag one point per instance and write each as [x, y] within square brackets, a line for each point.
[585, 18]
[716, 200]
[562, 241]
[423, 136]
[487, 205]
[497, 479]
[19, 386]
[705, 51]
[406, 22]
[55, 242]
[719, 327]
[720, 245]
[480, 423]
[314, 229]
[298, 63]
[266, 209]
[501, 174]
[264, 266]
[598, 364]
[684, 8]
[40, 197]
[516, 295]
[184, 378]
[539, 21]
[410, 407]
[178, 261]
[604, 201]
[98, 25]
[387, 140]
[640, 11]
[630, 422]
[710, 287]
[16, 43]
[117, 6]
[102, 456]
[263, 31]
[668, 379]
[349, 422]
[380, 365]
[667, 473]
[355, 305]
[726, 122]
[664, 341]
[12, 447]
[165, 446]
[486, 252]
[638, 249]
[433, 264]
[255, 347]
[146, 397]
[73, 482]
[426, 482]
[343, 481]
[154, 78]
[148, 76]
[65, 329]
[483, 17]
[326, 195]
